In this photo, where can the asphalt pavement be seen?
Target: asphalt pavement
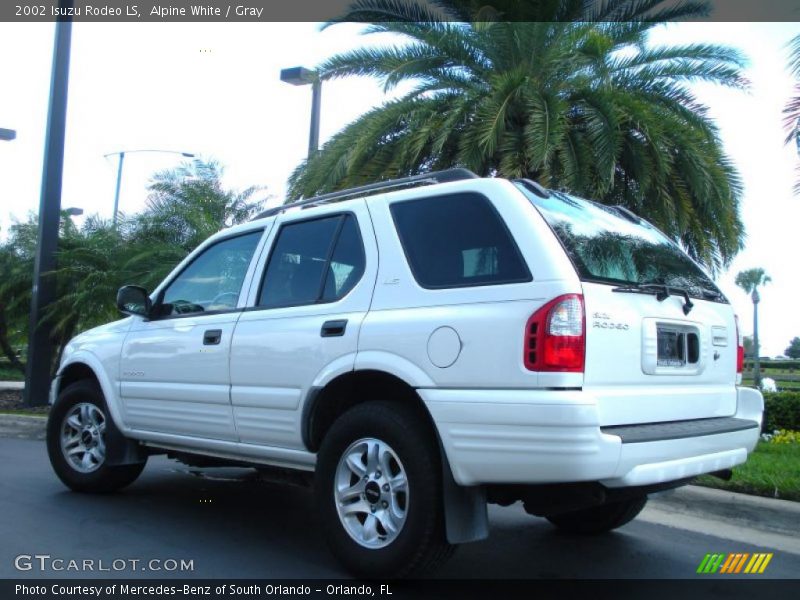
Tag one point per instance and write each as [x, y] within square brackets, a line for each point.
[230, 524]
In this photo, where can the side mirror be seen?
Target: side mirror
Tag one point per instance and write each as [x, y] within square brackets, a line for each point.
[134, 300]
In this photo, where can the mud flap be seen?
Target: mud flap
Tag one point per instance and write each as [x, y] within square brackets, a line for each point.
[121, 450]
[465, 514]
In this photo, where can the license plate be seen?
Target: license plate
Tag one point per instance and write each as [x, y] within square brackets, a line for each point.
[671, 348]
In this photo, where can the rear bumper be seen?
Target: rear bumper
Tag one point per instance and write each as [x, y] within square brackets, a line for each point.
[544, 436]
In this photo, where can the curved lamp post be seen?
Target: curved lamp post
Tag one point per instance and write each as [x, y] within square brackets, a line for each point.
[303, 76]
[122, 154]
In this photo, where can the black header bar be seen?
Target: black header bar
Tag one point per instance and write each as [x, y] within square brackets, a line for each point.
[460, 589]
[227, 11]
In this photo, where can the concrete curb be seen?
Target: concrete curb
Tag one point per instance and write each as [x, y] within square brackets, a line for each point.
[766, 514]
[12, 385]
[24, 427]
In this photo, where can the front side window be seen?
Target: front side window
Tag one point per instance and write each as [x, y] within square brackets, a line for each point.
[212, 281]
[313, 261]
[457, 240]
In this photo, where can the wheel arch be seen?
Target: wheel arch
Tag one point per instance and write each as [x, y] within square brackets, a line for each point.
[464, 507]
[325, 403]
[84, 365]
[76, 371]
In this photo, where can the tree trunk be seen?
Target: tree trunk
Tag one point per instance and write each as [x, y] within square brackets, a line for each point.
[756, 349]
[5, 345]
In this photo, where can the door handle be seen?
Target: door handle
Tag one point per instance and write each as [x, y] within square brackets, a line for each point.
[333, 328]
[212, 337]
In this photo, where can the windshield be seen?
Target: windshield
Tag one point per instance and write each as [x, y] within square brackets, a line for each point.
[608, 246]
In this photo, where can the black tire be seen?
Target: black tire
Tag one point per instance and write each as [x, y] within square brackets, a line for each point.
[99, 477]
[600, 519]
[420, 545]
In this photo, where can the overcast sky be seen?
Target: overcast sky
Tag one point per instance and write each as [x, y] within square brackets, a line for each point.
[214, 90]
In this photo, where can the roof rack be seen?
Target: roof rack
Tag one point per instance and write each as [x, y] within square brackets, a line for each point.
[432, 178]
[534, 187]
[627, 214]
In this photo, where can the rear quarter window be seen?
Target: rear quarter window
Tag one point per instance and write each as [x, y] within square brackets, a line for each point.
[457, 240]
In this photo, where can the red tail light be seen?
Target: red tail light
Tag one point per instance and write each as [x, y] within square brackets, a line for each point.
[555, 336]
[739, 348]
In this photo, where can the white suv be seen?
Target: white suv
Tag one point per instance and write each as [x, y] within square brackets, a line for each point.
[422, 346]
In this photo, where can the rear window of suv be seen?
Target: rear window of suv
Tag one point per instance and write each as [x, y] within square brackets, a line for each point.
[608, 245]
[457, 240]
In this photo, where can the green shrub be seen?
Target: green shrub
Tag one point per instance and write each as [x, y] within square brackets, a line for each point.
[786, 437]
[782, 411]
[773, 364]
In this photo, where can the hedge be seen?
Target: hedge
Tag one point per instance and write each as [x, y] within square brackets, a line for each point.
[773, 364]
[782, 411]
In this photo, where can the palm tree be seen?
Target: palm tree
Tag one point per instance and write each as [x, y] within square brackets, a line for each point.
[17, 255]
[791, 113]
[188, 204]
[749, 280]
[577, 100]
[185, 206]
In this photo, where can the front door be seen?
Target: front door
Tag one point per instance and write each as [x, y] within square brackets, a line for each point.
[174, 367]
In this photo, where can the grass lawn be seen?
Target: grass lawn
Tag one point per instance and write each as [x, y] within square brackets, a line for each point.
[779, 383]
[39, 411]
[9, 373]
[773, 470]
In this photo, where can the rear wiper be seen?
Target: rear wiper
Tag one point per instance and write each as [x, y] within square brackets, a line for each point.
[661, 291]
[711, 294]
[645, 288]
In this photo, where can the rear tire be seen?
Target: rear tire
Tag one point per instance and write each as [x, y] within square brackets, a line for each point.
[378, 491]
[600, 519]
[77, 434]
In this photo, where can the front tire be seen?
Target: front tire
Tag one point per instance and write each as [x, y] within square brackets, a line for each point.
[77, 434]
[379, 494]
[600, 519]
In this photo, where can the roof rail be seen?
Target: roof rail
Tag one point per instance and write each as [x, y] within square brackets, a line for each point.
[534, 187]
[374, 188]
[627, 214]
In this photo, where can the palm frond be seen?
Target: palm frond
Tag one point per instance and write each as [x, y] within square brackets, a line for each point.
[568, 92]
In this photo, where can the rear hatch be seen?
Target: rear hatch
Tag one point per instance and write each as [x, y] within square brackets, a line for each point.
[661, 339]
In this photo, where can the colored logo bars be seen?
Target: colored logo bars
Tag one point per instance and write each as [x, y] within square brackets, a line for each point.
[735, 563]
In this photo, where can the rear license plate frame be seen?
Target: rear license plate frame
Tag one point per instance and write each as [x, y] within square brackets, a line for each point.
[670, 347]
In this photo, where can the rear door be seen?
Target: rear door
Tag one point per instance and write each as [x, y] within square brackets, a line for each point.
[313, 288]
[660, 338]
[647, 361]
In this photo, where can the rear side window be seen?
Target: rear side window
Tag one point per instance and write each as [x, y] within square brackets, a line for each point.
[313, 261]
[347, 262]
[458, 240]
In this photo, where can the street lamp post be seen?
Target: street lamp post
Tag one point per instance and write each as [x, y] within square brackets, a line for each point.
[40, 344]
[303, 76]
[122, 154]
